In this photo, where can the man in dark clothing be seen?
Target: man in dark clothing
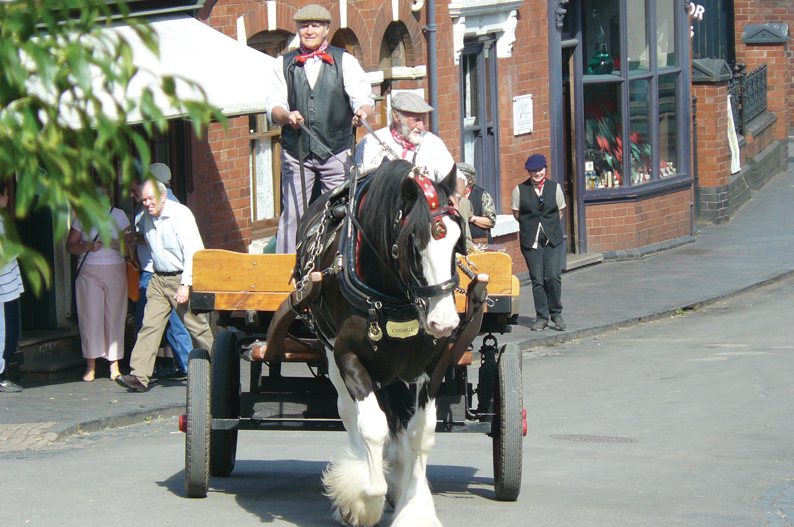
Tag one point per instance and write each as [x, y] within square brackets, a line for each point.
[483, 207]
[537, 205]
[326, 90]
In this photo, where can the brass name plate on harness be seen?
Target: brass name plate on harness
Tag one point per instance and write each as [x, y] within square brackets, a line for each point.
[402, 330]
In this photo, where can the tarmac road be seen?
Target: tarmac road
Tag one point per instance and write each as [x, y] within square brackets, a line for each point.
[680, 422]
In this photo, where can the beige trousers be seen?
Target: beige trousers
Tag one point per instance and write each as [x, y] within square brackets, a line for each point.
[159, 304]
[101, 292]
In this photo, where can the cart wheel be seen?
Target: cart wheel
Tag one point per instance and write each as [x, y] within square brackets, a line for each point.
[197, 438]
[507, 429]
[225, 402]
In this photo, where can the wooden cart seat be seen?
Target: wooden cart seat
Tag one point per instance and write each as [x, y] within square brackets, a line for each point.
[232, 281]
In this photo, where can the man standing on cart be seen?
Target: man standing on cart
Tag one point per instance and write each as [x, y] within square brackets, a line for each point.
[318, 94]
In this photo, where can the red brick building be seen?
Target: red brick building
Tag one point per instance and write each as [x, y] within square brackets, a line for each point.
[512, 77]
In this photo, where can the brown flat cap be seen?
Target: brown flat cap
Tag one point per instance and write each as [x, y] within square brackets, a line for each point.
[312, 13]
[407, 101]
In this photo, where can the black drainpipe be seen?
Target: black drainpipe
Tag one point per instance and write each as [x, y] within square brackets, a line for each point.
[695, 157]
[432, 73]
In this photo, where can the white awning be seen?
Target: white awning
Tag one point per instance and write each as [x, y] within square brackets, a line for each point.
[233, 75]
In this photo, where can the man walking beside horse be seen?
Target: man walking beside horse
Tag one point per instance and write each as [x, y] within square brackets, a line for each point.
[319, 94]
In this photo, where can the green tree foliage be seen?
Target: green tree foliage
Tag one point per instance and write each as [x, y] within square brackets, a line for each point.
[63, 114]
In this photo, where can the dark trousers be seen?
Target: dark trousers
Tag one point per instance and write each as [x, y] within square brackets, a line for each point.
[12, 319]
[545, 271]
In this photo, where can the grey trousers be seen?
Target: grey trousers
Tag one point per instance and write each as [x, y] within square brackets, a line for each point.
[331, 173]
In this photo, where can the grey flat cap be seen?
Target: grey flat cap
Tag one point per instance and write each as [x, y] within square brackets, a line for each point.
[161, 172]
[312, 13]
[407, 101]
[467, 169]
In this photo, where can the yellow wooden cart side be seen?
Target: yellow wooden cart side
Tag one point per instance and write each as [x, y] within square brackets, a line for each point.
[261, 282]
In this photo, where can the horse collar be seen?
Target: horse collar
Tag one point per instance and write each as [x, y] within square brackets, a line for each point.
[439, 230]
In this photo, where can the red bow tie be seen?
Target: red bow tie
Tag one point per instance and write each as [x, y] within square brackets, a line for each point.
[302, 58]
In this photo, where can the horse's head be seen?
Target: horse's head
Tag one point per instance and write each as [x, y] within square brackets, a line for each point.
[413, 226]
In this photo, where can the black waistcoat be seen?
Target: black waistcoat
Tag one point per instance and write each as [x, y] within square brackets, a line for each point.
[325, 109]
[475, 196]
[529, 214]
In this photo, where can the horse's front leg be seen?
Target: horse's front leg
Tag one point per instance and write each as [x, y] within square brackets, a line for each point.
[414, 506]
[355, 481]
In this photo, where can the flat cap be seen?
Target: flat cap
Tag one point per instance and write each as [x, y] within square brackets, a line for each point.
[407, 101]
[312, 13]
[161, 172]
[535, 162]
[467, 169]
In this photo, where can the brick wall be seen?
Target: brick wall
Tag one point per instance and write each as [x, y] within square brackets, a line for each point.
[761, 12]
[628, 225]
[713, 150]
[221, 197]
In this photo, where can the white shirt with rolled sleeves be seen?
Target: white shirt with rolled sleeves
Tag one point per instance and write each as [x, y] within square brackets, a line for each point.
[173, 239]
[431, 153]
[357, 87]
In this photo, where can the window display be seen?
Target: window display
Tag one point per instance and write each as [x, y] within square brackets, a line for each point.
[668, 150]
[635, 98]
[603, 133]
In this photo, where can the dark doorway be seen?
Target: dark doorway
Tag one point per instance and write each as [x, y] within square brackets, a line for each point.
[569, 167]
[479, 110]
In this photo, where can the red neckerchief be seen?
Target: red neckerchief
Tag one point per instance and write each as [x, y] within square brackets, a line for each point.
[319, 52]
[407, 145]
[539, 186]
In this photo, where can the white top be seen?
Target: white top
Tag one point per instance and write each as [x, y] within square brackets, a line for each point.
[516, 204]
[105, 255]
[143, 251]
[431, 153]
[173, 238]
[10, 282]
[357, 87]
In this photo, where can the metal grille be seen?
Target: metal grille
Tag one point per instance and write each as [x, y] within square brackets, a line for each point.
[754, 94]
[748, 95]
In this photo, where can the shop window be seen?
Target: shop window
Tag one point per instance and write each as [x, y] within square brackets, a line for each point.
[665, 34]
[635, 106]
[637, 29]
[668, 126]
[603, 133]
[639, 131]
[601, 34]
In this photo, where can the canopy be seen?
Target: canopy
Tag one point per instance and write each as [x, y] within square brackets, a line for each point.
[233, 76]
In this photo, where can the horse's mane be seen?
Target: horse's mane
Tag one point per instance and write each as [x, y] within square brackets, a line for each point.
[385, 198]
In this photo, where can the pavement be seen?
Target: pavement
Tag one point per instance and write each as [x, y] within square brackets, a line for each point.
[755, 248]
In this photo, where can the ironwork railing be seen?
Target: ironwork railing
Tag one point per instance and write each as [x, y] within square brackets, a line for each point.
[748, 95]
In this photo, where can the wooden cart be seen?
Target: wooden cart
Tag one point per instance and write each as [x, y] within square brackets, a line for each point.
[246, 290]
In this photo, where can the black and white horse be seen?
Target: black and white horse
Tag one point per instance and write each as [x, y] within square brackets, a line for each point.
[386, 315]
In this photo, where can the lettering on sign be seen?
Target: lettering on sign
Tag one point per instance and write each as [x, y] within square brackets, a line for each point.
[695, 11]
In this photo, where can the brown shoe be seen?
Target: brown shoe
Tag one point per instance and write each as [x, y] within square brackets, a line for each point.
[132, 383]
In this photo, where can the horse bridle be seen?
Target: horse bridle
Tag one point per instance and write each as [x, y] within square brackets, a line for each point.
[438, 230]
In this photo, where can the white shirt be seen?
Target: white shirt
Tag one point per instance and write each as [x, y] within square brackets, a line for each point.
[10, 283]
[431, 153]
[357, 87]
[105, 255]
[143, 251]
[173, 239]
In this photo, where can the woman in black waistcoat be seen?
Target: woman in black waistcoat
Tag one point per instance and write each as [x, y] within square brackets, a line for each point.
[537, 205]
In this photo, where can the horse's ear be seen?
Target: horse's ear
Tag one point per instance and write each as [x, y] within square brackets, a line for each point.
[410, 190]
[450, 182]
